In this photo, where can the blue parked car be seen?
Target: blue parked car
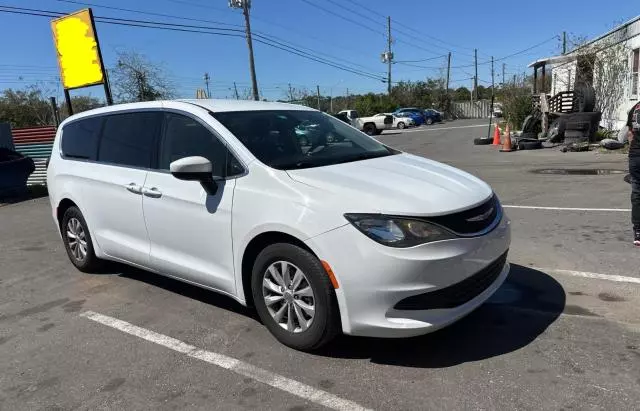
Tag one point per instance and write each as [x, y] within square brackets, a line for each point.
[432, 116]
[414, 113]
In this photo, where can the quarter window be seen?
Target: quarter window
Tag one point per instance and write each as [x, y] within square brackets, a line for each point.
[80, 138]
[128, 139]
[186, 137]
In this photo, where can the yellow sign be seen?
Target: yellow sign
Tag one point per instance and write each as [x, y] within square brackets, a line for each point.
[77, 46]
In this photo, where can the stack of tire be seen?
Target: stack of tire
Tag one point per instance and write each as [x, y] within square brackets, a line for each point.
[531, 127]
[580, 126]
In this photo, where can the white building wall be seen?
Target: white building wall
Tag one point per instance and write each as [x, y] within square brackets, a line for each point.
[563, 75]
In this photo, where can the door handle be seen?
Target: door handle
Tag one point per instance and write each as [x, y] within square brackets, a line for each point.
[151, 192]
[134, 188]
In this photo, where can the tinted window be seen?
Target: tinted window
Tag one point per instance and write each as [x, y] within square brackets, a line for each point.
[128, 139]
[291, 139]
[186, 137]
[80, 138]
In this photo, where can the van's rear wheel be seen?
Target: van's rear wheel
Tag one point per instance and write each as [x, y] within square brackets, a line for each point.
[294, 297]
[77, 241]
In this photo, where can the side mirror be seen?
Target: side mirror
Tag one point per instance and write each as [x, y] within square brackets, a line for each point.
[195, 169]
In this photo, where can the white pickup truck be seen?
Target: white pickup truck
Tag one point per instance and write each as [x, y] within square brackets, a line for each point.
[370, 125]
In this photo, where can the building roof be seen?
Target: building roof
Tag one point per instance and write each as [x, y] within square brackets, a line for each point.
[623, 32]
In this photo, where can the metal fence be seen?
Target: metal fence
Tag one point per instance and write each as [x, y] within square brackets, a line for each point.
[37, 143]
[468, 109]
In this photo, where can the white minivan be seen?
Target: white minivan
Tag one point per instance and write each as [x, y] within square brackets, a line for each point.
[332, 233]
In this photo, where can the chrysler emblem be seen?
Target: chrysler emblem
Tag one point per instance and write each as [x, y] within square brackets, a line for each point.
[481, 217]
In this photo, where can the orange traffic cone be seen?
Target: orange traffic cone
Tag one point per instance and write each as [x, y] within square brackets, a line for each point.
[506, 148]
[496, 136]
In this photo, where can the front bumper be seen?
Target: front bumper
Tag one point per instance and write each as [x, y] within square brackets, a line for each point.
[373, 279]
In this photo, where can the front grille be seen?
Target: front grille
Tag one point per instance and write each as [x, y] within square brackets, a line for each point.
[471, 222]
[457, 294]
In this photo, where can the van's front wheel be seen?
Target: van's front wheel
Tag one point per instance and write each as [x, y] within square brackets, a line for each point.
[294, 297]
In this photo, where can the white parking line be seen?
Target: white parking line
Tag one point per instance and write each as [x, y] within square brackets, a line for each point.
[622, 210]
[288, 385]
[607, 277]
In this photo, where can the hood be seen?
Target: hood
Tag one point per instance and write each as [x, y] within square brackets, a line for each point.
[401, 184]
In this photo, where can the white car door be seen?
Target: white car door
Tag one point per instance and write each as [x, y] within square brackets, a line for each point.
[189, 230]
[111, 190]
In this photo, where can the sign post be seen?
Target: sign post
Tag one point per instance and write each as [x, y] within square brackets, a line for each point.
[79, 56]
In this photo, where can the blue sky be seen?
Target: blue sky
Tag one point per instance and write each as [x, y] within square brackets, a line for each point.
[421, 30]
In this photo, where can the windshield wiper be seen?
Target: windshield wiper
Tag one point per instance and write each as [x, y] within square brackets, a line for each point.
[293, 165]
[364, 156]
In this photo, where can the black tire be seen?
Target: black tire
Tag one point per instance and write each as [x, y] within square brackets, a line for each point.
[429, 121]
[369, 129]
[585, 98]
[401, 125]
[529, 136]
[528, 123]
[482, 141]
[326, 321]
[555, 134]
[89, 263]
[529, 145]
[377, 132]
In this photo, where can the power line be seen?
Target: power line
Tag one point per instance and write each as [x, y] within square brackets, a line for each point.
[144, 12]
[420, 61]
[149, 13]
[357, 23]
[360, 5]
[195, 29]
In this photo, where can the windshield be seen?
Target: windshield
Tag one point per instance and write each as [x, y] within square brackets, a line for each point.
[293, 139]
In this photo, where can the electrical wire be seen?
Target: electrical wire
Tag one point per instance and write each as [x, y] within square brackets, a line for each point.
[255, 32]
[195, 29]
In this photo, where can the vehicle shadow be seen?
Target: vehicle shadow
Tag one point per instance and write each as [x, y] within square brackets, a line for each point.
[522, 309]
[181, 288]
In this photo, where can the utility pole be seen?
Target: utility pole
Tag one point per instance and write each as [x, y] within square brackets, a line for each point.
[389, 55]
[348, 99]
[504, 82]
[448, 71]
[475, 78]
[493, 96]
[318, 88]
[206, 81]
[235, 90]
[514, 80]
[473, 82]
[290, 94]
[493, 76]
[564, 42]
[245, 5]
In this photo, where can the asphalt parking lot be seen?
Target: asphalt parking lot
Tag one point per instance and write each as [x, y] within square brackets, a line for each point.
[562, 333]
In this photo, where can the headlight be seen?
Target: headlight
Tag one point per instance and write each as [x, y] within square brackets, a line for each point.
[397, 231]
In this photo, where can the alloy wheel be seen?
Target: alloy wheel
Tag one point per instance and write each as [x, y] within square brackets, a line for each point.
[76, 239]
[288, 296]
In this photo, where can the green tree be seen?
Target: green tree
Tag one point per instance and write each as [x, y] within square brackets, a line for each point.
[25, 108]
[80, 104]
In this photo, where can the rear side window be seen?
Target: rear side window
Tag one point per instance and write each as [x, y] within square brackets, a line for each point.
[128, 139]
[186, 137]
[80, 138]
